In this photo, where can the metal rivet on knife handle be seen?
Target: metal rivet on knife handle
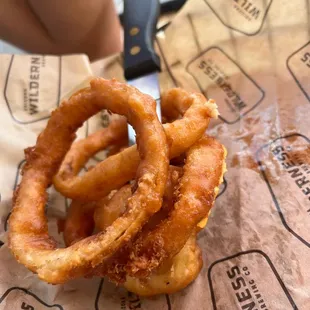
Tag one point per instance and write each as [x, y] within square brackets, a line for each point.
[134, 31]
[135, 50]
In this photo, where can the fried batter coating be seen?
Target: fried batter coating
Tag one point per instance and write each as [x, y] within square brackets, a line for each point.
[117, 170]
[173, 275]
[108, 211]
[28, 236]
[203, 173]
[147, 212]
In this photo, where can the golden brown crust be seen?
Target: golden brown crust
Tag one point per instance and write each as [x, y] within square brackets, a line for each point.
[195, 195]
[176, 101]
[147, 238]
[174, 275]
[82, 217]
[118, 169]
[81, 151]
[108, 211]
[28, 236]
[203, 173]
[79, 223]
[135, 259]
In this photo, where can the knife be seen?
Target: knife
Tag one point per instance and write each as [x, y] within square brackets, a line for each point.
[141, 63]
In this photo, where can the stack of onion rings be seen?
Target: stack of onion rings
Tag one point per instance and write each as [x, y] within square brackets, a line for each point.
[145, 214]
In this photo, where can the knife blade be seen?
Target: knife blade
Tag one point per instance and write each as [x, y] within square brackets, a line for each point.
[141, 63]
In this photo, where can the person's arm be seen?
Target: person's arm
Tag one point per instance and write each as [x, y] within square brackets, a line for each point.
[61, 27]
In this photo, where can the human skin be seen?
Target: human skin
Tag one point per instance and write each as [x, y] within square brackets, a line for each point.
[62, 27]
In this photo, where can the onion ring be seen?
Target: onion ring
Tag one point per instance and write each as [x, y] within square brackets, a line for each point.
[182, 101]
[80, 220]
[82, 216]
[28, 237]
[81, 151]
[203, 173]
[174, 103]
[118, 169]
[172, 276]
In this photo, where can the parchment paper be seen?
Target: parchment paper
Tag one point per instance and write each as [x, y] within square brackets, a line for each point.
[253, 58]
